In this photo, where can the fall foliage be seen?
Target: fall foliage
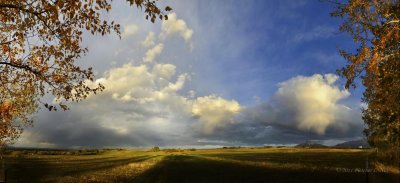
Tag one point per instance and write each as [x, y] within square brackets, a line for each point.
[375, 28]
[40, 42]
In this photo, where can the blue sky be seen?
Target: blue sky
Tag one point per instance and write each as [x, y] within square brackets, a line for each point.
[217, 73]
[252, 45]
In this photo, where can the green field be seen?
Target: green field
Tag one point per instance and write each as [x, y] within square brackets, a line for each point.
[208, 165]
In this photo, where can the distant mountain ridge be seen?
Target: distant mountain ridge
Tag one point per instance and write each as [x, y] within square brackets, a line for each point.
[353, 144]
[362, 143]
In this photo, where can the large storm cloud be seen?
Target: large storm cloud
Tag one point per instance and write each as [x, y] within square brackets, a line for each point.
[308, 104]
[143, 107]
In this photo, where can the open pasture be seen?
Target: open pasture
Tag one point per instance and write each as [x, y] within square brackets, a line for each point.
[201, 165]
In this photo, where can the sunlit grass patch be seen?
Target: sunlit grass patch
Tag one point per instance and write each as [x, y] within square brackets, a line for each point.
[124, 173]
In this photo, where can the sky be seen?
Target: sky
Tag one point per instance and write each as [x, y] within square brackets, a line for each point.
[216, 73]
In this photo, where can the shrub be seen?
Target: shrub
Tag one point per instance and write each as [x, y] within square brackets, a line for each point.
[155, 149]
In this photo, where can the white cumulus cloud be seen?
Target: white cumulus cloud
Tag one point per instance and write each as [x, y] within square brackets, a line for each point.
[153, 52]
[149, 40]
[314, 101]
[307, 104]
[175, 26]
[214, 112]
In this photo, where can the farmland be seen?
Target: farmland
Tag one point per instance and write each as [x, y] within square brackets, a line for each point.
[196, 165]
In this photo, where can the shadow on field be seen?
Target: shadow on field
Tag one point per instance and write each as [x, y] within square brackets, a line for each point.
[36, 170]
[181, 168]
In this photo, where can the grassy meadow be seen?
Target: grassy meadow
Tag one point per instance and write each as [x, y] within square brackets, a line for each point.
[195, 165]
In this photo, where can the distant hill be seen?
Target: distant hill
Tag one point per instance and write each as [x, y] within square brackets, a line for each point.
[353, 144]
[310, 144]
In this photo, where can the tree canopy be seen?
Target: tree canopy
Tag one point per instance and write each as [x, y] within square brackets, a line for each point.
[374, 26]
[40, 41]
